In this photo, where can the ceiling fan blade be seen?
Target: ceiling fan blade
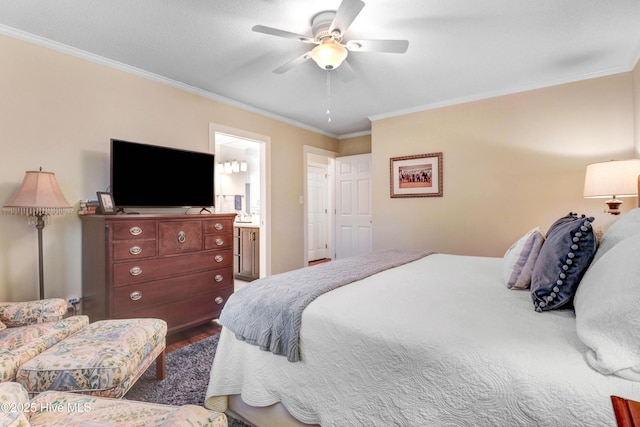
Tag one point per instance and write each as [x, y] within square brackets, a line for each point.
[345, 15]
[281, 33]
[388, 46]
[289, 65]
[345, 72]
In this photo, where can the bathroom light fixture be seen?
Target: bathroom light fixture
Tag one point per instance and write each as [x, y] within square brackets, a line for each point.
[233, 166]
[612, 179]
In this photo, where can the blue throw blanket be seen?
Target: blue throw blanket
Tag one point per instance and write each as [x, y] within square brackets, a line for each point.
[268, 312]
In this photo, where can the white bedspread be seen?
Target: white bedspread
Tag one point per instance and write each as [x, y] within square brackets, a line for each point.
[439, 341]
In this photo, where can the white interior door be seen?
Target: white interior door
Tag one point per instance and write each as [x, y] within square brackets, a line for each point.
[353, 205]
[317, 212]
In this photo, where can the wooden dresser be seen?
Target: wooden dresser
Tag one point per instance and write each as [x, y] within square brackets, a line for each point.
[178, 268]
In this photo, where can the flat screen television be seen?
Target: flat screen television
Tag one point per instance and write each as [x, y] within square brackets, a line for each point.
[150, 176]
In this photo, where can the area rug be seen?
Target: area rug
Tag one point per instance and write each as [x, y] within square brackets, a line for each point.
[186, 380]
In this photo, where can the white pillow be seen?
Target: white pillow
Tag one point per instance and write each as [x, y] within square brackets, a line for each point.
[520, 258]
[607, 305]
[624, 226]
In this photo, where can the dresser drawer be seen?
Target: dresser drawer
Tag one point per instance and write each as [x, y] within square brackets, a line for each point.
[140, 295]
[132, 249]
[134, 229]
[151, 269]
[176, 237]
[217, 226]
[218, 241]
[181, 314]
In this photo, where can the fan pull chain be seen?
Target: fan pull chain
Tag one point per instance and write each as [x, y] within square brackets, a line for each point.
[328, 96]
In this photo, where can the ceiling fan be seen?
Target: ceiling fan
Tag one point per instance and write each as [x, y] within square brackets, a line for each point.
[328, 29]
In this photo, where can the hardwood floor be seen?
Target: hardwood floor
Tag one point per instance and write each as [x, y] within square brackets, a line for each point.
[181, 339]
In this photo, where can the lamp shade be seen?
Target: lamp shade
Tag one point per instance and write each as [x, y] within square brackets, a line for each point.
[39, 194]
[615, 178]
[329, 54]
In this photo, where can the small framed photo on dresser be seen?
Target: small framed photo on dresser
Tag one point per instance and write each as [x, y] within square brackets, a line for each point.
[105, 204]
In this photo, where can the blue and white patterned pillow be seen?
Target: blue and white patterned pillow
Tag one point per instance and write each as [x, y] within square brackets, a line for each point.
[565, 256]
[520, 259]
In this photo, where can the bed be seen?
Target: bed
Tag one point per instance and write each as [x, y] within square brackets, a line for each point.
[441, 340]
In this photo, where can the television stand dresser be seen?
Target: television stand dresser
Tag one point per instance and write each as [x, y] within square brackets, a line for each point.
[178, 268]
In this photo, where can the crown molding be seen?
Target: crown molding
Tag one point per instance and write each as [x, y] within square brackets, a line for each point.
[79, 53]
[488, 95]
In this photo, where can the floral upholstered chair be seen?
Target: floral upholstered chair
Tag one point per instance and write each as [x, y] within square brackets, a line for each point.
[44, 351]
[69, 409]
[29, 328]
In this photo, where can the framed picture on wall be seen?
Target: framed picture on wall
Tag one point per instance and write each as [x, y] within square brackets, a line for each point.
[416, 176]
[106, 205]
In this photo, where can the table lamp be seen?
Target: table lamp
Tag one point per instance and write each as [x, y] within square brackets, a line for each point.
[612, 179]
[38, 197]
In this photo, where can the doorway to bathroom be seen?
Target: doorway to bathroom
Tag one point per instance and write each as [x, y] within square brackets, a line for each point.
[240, 187]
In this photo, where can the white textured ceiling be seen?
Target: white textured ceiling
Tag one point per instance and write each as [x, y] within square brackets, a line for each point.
[458, 50]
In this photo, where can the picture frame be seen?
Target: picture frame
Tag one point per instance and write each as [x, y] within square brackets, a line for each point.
[106, 206]
[416, 176]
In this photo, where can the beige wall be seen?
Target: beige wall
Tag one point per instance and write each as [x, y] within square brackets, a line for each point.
[59, 112]
[510, 163]
[355, 145]
[636, 98]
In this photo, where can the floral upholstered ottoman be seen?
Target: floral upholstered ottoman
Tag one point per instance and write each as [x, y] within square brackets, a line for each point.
[104, 359]
[62, 409]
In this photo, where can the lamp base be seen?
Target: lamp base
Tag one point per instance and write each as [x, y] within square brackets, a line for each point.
[614, 206]
[40, 222]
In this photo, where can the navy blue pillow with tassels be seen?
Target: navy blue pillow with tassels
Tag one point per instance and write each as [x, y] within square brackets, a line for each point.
[565, 256]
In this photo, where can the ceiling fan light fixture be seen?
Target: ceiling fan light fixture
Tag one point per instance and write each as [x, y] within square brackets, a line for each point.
[329, 54]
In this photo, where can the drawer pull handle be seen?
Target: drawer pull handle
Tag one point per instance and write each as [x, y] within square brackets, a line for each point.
[135, 231]
[218, 278]
[219, 258]
[219, 300]
[135, 250]
[182, 237]
[219, 242]
[135, 296]
[135, 271]
[218, 226]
